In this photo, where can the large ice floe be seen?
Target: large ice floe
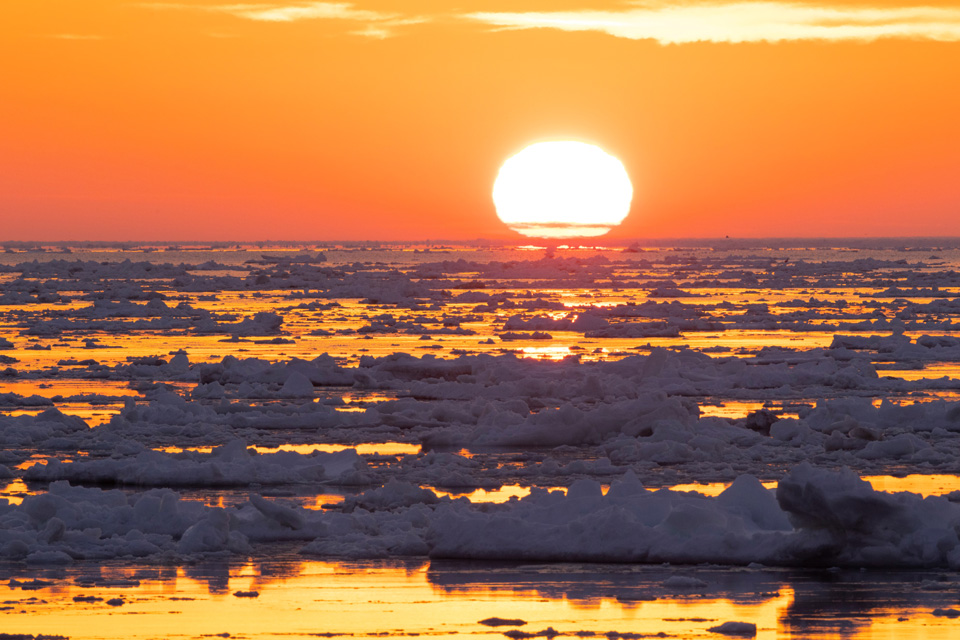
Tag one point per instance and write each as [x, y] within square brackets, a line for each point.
[221, 405]
[229, 465]
[813, 518]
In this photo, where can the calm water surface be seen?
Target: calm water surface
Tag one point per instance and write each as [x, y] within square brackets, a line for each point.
[287, 597]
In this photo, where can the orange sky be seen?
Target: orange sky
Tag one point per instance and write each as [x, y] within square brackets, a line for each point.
[389, 120]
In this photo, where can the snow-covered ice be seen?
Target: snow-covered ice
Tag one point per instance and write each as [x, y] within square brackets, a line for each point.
[593, 379]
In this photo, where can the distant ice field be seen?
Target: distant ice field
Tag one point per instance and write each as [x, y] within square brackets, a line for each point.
[484, 401]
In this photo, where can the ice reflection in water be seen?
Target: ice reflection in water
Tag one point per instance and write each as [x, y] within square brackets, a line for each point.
[502, 494]
[926, 485]
[735, 409]
[294, 598]
[929, 371]
[366, 448]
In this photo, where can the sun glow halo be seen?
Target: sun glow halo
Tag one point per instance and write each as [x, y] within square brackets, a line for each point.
[562, 189]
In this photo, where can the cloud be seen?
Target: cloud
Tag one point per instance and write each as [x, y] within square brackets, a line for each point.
[302, 11]
[743, 22]
[376, 24]
[386, 28]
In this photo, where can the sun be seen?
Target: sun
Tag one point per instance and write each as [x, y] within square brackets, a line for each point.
[562, 189]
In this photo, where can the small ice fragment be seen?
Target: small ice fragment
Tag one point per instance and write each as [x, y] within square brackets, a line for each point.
[739, 629]
[549, 632]
[946, 613]
[48, 557]
[116, 602]
[297, 386]
[87, 599]
[937, 585]
[285, 516]
[684, 582]
[30, 585]
[246, 594]
[503, 622]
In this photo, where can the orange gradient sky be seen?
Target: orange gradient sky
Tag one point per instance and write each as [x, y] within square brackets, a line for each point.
[389, 120]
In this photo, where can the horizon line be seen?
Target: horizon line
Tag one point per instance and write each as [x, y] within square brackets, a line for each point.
[519, 241]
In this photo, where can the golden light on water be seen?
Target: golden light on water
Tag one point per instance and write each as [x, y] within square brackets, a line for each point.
[562, 189]
[924, 484]
[303, 599]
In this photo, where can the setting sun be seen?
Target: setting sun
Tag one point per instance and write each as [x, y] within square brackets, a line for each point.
[562, 189]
